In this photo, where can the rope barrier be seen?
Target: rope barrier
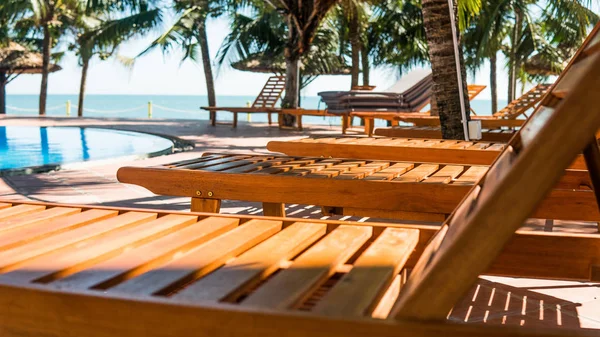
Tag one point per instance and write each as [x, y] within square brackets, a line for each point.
[33, 110]
[113, 111]
[174, 110]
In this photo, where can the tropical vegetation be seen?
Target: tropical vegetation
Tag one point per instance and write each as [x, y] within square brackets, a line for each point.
[306, 39]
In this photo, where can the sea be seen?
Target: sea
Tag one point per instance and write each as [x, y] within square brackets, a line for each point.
[172, 107]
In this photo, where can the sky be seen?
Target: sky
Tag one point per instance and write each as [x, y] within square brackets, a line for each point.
[158, 74]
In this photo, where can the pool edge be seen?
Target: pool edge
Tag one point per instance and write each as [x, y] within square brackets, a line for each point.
[179, 145]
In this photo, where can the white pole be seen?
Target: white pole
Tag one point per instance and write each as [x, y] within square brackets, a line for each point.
[458, 72]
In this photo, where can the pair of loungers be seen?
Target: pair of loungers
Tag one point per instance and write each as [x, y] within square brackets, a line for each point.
[93, 271]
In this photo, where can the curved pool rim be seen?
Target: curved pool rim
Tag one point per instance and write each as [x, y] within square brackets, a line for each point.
[179, 145]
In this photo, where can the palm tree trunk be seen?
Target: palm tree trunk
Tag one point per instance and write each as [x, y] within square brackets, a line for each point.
[438, 29]
[355, 47]
[206, 64]
[3, 80]
[366, 67]
[513, 63]
[47, 42]
[292, 74]
[84, 70]
[493, 83]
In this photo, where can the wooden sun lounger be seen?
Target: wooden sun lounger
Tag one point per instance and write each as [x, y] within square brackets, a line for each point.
[264, 103]
[382, 189]
[85, 271]
[499, 127]
[398, 149]
[101, 272]
[396, 117]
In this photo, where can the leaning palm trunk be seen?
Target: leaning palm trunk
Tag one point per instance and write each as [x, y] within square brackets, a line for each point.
[438, 29]
[84, 71]
[47, 42]
[206, 64]
[493, 83]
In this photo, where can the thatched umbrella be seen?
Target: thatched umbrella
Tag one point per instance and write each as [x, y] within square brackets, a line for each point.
[538, 65]
[312, 65]
[14, 61]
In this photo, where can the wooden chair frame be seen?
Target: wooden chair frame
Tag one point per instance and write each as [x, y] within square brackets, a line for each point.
[54, 307]
[263, 103]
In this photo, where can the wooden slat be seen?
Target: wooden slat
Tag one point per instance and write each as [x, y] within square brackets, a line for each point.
[4, 205]
[12, 258]
[290, 286]
[212, 162]
[471, 175]
[445, 175]
[73, 259]
[150, 255]
[204, 158]
[42, 230]
[237, 163]
[417, 174]
[391, 172]
[200, 261]
[359, 291]
[254, 265]
[36, 218]
[20, 210]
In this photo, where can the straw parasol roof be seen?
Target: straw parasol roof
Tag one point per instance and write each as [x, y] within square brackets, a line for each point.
[16, 59]
[538, 65]
[311, 66]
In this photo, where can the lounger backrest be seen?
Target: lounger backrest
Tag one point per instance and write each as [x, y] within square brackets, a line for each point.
[527, 101]
[270, 93]
[526, 171]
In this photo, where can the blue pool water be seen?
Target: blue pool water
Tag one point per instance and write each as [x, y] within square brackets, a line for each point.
[22, 147]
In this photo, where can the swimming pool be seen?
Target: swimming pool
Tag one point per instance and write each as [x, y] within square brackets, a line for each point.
[23, 147]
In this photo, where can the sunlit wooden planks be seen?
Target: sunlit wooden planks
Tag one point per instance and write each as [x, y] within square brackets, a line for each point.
[289, 287]
[31, 219]
[70, 260]
[11, 258]
[148, 256]
[252, 266]
[20, 210]
[52, 227]
[200, 261]
[370, 275]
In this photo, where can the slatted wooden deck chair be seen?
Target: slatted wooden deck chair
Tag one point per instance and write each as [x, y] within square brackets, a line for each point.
[351, 187]
[499, 127]
[264, 103]
[107, 272]
[437, 151]
[68, 270]
[394, 117]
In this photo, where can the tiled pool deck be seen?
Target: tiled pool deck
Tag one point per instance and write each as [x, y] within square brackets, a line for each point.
[496, 300]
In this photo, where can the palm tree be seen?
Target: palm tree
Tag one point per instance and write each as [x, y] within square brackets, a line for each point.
[189, 33]
[257, 43]
[99, 35]
[447, 101]
[303, 19]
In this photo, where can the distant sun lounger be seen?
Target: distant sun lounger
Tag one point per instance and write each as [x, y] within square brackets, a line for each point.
[395, 117]
[499, 127]
[264, 103]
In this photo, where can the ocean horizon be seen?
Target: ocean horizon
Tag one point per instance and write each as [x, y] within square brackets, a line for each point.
[173, 107]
